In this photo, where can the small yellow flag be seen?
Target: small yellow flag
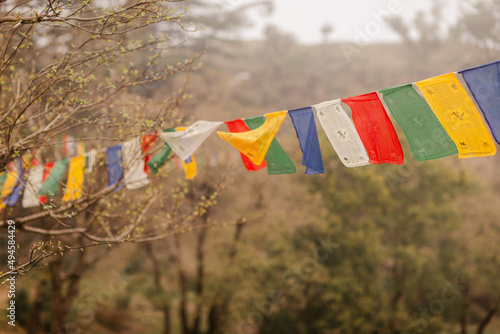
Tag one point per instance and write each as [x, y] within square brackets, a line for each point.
[81, 148]
[74, 185]
[8, 186]
[255, 143]
[458, 115]
[189, 168]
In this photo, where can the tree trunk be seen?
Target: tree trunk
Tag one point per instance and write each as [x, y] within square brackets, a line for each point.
[200, 276]
[213, 320]
[465, 306]
[58, 311]
[183, 316]
[60, 303]
[157, 280]
[487, 319]
[35, 322]
[166, 319]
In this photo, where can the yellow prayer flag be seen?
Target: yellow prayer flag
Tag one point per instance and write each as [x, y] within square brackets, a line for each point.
[81, 148]
[8, 186]
[255, 143]
[74, 185]
[189, 168]
[458, 115]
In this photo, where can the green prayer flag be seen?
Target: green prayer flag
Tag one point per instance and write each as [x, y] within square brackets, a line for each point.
[51, 184]
[426, 136]
[3, 176]
[161, 158]
[277, 160]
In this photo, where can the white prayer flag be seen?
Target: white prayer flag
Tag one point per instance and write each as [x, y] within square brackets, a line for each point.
[92, 158]
[342, 134]
[186, 142]
[133, 164]
[33, 184]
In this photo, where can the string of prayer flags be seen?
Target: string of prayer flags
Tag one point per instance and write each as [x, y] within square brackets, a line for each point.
[114, 157]
[33, 185]
[442, 123]
[189, 164]
[375, 129]
[53, 180]
[458, 115]
[158, 160]
[426, 136]
[238, 125]
[278, 162]
[255, 143]
[305, 127]
[135, 177]
[74, 185]
[341, 133]
[185, 142]
[484, 83]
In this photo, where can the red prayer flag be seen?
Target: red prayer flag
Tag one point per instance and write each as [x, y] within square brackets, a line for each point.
[375, 129]
[147, 142]
[46, 171]
[238, 125]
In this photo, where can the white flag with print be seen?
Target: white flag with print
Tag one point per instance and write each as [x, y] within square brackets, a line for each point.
[33, 184]
[186, 142]
[133, 164]
[342, 134]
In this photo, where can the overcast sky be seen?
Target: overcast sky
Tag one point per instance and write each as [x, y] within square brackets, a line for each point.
[305, 18]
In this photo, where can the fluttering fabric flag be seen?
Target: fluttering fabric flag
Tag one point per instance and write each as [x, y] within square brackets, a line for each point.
[341, 133]
[74, 185]
[190, 168]
[278, 162]
[185, 142]
[81, 148]
[255, 143]
[14, 184]
[426, 136]
[33, 185]
[9, 184]
[159, 159]
[147, 142]
[375, 129]
[189, 164]
[69, 147]
[46, 171]
[133, 163]
[458, 115]
[484, 83]
[238, 125]
[305, 127]
[91, 160]
[114, 156]
[3, 176]
[53, 180]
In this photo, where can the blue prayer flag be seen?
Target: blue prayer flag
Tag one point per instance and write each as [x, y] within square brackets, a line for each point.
[115, 165]
[12, 199]
[305, 127]
[484, 83]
